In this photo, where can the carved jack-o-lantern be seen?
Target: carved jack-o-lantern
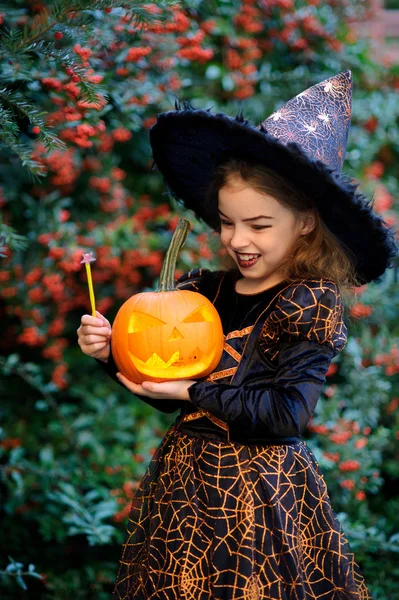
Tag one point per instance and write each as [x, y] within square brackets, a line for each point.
[168, 334]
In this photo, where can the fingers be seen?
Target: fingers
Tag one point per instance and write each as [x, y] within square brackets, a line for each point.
[157, 391]
[100, 316]
[136, 388]
[95, 349]
[94, 334]
[94, 325]
[95, 330]
[90, 320]
[96, 339]
[90, 335]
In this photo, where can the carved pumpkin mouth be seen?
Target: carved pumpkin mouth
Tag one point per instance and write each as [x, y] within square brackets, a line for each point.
[175, 360]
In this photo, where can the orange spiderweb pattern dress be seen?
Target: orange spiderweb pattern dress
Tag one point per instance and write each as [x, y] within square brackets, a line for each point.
[233, 505]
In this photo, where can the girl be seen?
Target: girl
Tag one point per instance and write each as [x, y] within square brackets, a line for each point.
[233, 505]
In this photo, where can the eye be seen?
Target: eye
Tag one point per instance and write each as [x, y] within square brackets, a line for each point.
[140, 321]
[255, 227]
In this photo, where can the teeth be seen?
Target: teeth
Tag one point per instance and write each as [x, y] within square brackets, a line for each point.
[250, 257]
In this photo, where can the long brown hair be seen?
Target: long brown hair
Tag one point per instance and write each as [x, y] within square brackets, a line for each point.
[318, 254]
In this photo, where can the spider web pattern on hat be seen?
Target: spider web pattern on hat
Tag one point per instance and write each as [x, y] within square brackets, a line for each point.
[318, 119]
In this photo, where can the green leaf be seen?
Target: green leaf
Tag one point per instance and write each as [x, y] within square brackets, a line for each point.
[21, 582]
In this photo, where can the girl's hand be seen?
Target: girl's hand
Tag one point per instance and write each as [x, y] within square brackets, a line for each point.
[94, 336]
[167, 390]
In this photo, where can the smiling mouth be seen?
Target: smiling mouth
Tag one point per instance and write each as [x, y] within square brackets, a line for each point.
[247, 256]
[249, 261]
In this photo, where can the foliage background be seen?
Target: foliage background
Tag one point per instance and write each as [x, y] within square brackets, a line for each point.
[74, 445]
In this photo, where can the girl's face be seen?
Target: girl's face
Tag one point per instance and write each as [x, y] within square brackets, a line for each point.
[254, 223]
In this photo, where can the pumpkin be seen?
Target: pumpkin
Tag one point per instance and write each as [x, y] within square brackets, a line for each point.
[167, 334]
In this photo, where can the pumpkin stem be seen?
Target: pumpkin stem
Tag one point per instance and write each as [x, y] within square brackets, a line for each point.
[166, 278]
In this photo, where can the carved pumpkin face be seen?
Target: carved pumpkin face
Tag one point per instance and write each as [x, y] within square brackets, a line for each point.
[162, 336]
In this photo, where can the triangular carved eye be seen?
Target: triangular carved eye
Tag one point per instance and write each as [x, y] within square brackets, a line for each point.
[140, 321]
[197, 316]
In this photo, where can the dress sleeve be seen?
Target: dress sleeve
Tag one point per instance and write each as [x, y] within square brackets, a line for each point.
[302, 334]
[191, 280]
[195, 280]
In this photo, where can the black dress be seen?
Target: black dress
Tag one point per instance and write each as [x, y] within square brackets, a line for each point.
[233, 505]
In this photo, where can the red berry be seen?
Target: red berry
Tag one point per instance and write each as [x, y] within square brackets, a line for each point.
[75, 78]
[35, 129]
[69, 71]
[107, 10]
[58, 35]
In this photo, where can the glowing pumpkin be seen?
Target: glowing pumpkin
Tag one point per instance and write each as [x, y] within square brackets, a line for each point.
[167, 334]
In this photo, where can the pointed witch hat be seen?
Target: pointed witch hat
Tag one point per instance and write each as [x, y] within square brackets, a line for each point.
[304, 142]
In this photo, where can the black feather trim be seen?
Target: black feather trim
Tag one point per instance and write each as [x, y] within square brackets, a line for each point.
[241, 119]
[183, 105]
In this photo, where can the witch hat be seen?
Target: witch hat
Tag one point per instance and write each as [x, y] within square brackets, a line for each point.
[304, 141]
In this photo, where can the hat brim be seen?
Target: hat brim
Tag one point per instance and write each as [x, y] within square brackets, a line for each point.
[187, 145]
